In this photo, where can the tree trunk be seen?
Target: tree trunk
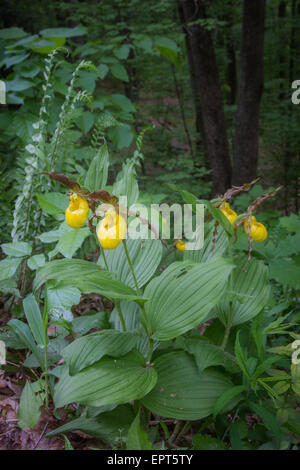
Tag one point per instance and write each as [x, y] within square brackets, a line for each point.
[250, 91]
[205, 81]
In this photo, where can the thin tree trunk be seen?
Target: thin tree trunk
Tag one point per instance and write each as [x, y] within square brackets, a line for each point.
[206, 87]
[250, 91]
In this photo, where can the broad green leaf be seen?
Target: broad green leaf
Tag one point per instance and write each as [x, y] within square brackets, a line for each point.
[71, 241]
[145, 256]
[87, 350]
[182, 392]
[251, 288]
[29, 408]
[85, 323]
[122, 52]
[110, 426]
[208, 355]
[122, 102]
[227, 397]
[131, 313]
[96, 176]
[23, 332]
[110, 381]
[85, 121]
[9, 286]
[121, 135]
[12, 33]
[168, 48]
[78, 30]
[85, 276]
[210, 250]
[17, 249]
[36, 262]
[8, 267]
[137, 438]
[126, 183]
[54, 204]
[286, 271]
[34, 319]
[103, 70]
[119, 71]
[183, 296]
[268, 418]
[61, 298]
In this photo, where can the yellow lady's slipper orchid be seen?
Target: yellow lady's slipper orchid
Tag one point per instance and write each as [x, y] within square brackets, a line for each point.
[77, 211]
[180, 245]
[111, 230]
[258, 231]
[229, 213]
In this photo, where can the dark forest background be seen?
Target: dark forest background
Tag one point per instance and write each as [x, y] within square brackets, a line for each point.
[214, 79]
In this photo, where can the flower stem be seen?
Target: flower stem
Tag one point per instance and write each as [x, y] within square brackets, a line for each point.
[118, 307]
[131, 267]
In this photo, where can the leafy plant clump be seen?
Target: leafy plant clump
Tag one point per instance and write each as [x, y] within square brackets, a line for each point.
[180, 348]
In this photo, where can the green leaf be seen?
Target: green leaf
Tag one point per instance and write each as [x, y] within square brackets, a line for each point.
[17, 249]
[286, 271]
[209, 250]
[250, 286]
[122, 102]
[167, 48]
[8, 267]
[110, 426]
[86, 276]
[122, 52]
[268, 418]
[126, 183]
[85, 121]
[87, 350]
[61, 298]
[36, 262]
[110, 381]
[227, 397]
[183, 296]
[103, 70]
[219, 216]
[54, 204]
[207, 442]
[121, 135]
[181, 392]
[29, 408]
[119, 71]
[208, 355]
[145, 256]
[12, 33]
[34, 319]
[137, 438]
[71, 241]
[96, 176]
[25, 335]
[78, 30]
[240, 357]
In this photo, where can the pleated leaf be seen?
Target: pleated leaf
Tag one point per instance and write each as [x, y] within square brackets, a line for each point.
[183, 295]
[96, 176]
[87, 350]
[107, 427]
[145, 256]
[251, 292]
[209, 250]
[182, 392]
[109, 381]
[131, 312]
[85, 276]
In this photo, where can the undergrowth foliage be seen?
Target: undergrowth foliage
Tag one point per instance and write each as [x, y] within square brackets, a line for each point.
[204, 338]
